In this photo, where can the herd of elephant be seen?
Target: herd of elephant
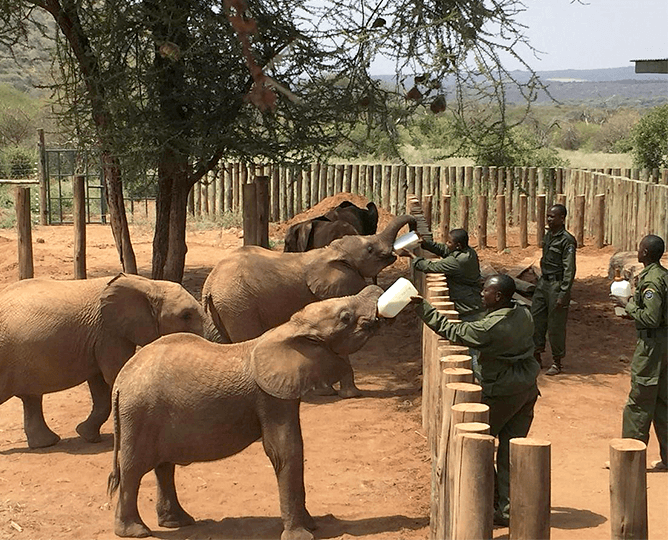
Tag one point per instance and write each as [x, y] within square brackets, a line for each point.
[227, 371]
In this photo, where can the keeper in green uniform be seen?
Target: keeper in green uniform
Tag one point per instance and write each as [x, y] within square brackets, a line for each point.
[504, 338]
[553, 291]
[460, 265]
[648, 399]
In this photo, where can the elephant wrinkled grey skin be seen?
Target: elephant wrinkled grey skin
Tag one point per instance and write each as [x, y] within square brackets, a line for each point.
[183, 399]
[315, 233]
[344, 220]
[253, 289]
[57, 334]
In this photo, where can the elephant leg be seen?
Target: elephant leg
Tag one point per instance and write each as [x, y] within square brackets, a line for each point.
[128, 523]
[170, 512]
[348, 388]
[100, 392]
[38, 433]
[283, 444]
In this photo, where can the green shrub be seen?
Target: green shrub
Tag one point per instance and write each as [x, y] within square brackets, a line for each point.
[650, 140]
[18, 162]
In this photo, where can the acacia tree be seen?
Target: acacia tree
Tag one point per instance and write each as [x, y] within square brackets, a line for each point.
[175, 85]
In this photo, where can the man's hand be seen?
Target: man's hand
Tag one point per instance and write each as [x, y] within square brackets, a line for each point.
[562, 302]
[416, 300]
[619, 301]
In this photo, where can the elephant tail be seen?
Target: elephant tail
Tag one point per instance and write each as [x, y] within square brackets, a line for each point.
[217, 334]
[115, 475]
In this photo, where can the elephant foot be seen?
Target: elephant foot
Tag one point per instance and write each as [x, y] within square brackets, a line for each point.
[43, 439]
[296, 534]
[350, 392]
[175, 519]
[88, 432]
[132, 530]
[324, 391]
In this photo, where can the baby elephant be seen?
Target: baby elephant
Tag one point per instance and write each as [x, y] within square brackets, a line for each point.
[183, 399]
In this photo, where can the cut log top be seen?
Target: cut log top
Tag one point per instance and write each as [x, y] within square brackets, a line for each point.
[471, 427]
[456, 357]
[456, 371]
[464, 387]
[627, 445]
[525, 441]
[471, 407]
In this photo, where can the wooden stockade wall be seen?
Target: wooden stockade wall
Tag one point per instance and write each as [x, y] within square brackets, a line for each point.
[632, 207]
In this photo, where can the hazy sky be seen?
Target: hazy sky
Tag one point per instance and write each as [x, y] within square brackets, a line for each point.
[589, 34]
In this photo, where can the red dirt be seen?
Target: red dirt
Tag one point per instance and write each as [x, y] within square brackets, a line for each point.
[367, 470]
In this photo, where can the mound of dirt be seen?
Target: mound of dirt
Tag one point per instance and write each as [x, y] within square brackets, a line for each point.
[279, 229]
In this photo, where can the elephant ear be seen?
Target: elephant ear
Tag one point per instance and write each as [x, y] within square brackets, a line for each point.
[298, 236]
[332, 276]
[287, 366]
[127, 310]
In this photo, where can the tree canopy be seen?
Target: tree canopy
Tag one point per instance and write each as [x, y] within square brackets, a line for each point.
[175, 85]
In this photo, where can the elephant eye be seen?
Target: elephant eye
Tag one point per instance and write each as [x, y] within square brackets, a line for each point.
[369, 249]
[346, 317]
[187, 315]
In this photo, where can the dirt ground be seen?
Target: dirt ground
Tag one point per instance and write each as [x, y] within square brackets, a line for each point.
[367, 469]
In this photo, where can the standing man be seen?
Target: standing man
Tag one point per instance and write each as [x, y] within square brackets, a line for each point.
[460, 265]
[504, 338]
[648, 399]
[553, 291]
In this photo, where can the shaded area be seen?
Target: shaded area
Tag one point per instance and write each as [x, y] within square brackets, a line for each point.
[563, 517]
[71, 445]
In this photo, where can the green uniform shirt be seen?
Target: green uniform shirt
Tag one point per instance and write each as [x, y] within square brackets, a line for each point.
[558, 261]
[649, 305]
[505, 340]
[462, 270]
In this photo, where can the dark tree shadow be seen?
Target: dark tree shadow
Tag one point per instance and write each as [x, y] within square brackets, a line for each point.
[574, 518]
[71, 445]
[266, 528]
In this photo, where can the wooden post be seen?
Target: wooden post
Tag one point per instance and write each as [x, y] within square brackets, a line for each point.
[403, 187]
[323, 182]
[482, 221]
[249, 193]
[24, 232]
[315, 184]
[394, 189]
[377, 182]
[540, 219]
[473, 508]
[43, 201]
[451, 394]
[560, 199]
[354, 182]
[530, 489]
[600, 220]
[235, 188]
[453, 476]
[445, 217]
[464, 204]
[338, 180]
[524, 239]
[79, 218]
[628, 490]
[227, 186]
[283, 188]
[532, 193]
[500, 222]
[579, 219]
[386, 187]
[348, 179]
[262, 209]
[426, 209]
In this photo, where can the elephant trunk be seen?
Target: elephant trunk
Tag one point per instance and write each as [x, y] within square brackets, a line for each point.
[389, 234]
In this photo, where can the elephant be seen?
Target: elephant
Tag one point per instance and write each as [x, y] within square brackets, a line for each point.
[315, 233]
[57, 334]
[183, 399]
[346, 219]
[253, 289]
[365, 221]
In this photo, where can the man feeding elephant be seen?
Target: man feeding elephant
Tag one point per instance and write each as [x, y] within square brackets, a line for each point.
[460, 265]
[504, 338]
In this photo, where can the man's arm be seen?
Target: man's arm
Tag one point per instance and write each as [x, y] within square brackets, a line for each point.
[434, 247]
[448, 266]
[470, 334]
[568, 261]
[648, 316]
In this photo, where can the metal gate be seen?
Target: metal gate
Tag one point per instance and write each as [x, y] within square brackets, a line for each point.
[61, 164]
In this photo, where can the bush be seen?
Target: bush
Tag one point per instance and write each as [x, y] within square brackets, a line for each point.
[18, 162]
[650, 140]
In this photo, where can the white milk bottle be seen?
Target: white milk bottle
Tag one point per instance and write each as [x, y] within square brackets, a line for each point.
[622, 289]
[396, 298]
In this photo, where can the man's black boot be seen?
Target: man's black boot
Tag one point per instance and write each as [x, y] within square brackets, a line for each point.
[555, 368]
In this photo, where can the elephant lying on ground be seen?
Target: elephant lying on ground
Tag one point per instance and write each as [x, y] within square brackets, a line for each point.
[183, 399]
[253, 289]
[344, 220]
[57, 334]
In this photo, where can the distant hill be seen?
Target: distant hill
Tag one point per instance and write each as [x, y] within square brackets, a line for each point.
[613, 87]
